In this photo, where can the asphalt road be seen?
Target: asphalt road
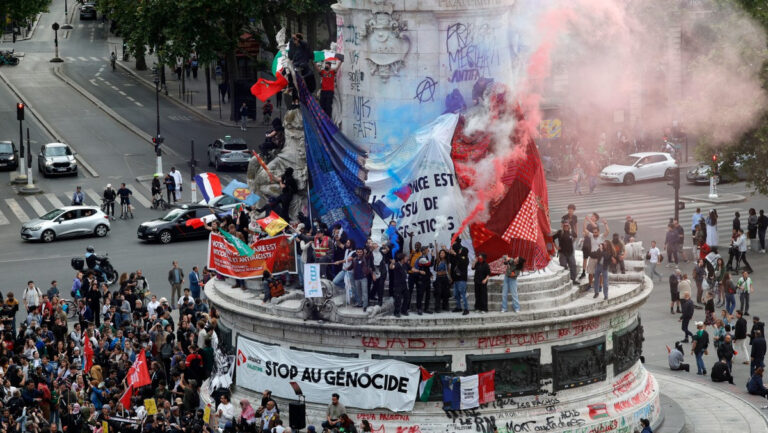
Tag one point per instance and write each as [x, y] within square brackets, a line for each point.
[118, 155]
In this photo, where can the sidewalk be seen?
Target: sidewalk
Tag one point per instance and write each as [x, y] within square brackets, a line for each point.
[708, 410]
[194, 98]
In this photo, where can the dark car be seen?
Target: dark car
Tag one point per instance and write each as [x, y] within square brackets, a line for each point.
[9, 156]
[88, 11]
[173, 226]
[229, 152]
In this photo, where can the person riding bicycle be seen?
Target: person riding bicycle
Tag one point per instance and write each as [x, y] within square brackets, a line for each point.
[94, 262]
[125, 201]
[157, 192]
[113, 60]
[109, 201]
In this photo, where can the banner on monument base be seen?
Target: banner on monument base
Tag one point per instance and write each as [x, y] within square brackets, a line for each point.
[313, 287]
[361, 383]
[275, 255]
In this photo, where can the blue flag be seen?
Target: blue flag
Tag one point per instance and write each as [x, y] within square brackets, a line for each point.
[451, 392]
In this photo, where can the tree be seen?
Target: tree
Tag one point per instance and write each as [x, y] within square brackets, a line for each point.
[20, 11]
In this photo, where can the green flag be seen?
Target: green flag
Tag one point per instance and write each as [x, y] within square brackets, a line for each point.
[242, 248]
[425, 385]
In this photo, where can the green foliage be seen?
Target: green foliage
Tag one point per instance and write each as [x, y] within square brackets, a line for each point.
[22, 10]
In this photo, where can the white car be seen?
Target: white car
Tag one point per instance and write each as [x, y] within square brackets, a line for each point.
[65, 222]
[640, 166]
[222, 202]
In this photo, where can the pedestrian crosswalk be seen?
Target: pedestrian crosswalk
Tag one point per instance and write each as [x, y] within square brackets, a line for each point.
[20, 209]
[651, 212]
[86, 59]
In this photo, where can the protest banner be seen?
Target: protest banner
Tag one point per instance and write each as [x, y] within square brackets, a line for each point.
[275, 254]
[313, 287]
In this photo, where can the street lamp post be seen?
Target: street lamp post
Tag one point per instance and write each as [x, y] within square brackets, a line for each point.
[192, 164]
[158, 138]
[56, 58]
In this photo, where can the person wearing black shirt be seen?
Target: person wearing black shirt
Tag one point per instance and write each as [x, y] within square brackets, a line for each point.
[459, 265]
[564, 244]
[399, 282]
[571, 219]
[482, 275]
[762, 225]
[302, 56]
[720, 372]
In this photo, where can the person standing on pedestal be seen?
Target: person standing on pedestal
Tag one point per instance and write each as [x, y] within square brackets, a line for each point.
[327, 87]
[514, 267]
[482, 275]
[459, 264]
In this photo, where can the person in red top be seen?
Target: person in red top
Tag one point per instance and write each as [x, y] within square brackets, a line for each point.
[327, 87]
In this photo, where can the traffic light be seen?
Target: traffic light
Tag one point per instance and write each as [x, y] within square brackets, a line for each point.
[158, 141]
[715, 167]
[20, 111]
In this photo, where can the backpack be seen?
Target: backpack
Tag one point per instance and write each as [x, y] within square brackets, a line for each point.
[166, 351]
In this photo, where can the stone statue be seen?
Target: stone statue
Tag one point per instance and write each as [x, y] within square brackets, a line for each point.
[293, 155]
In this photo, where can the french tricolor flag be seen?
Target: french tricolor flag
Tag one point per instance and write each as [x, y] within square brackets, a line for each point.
[209, 185]
[468, 392]
[391, 203]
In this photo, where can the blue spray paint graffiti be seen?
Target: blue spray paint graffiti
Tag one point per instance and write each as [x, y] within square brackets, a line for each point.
[425, 91]
[472, 51]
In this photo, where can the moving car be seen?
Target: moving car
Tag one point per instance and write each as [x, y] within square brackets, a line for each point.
[88, 11]
[229, 152]
[9, 156]
[56, 158]
[67, 221]
[173, 226]
[223, 201]
[700, 174]
[640, 166]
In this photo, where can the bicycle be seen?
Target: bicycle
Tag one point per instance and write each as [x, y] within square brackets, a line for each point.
[70, 307]
[158, 202]
[125, 210]
[106, 205]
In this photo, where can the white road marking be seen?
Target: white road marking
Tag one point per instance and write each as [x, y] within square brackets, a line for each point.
[139, 103]
[138, 196]
[17, 210]
[36, 206]
[83, 59]
[93, 195]
[3, 219]
[130, 98]
[53, 199]
[114, 87]
[93, 81]
[101, 78]
[95, 59]
[121, 92]
[70, 59]
[107, 83]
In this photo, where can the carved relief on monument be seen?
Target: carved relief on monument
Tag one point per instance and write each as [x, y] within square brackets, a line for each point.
[578, 364]
[387, 45]
[627, 348]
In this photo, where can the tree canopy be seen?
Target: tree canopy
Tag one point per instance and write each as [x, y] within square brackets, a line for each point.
[22, 10]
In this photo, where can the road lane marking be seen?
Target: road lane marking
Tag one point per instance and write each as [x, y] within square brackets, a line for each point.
[107, 83]
[93, 81]
[138, 103]
[70, 59]
[3, 219]
[114, 87]
[95, 59]
[53, 199]
[36, 206]
[94, 196]
[137, 195]
[130, 99]
[121, 92]
[101, 78]
[83, 59]
[17, 210]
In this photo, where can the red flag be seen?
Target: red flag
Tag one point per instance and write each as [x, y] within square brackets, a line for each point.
[125, 400]
[88, 352]
[138, 375]
[486, 387]
[195, 223]
[265, 89]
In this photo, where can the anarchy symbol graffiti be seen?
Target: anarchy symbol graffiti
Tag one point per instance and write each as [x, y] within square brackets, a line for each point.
[425, 91]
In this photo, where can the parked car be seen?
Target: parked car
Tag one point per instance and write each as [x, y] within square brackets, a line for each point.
[223, 201]
[65, 222]
[700, 174]
[229, 152]
[9, 155]
[640, 166]
[88, 11]
[173, 226]
[55, 159]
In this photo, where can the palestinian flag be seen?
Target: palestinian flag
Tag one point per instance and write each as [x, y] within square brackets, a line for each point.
[425, 385]
[242, 248]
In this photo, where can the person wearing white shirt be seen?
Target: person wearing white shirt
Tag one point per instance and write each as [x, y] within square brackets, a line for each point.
[152, 306]
[226, 412]
[177, 179]
[32, 296]
[653, 256]
[741, 243]
[745, 289]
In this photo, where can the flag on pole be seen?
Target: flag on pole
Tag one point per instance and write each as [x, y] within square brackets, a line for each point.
[425, 385]
[272, 224]
[265, 89]
[125, 399]
[237, 189]
[138, 374]
[242, 248]
[196, 223]
[209, 185]
[88, 352]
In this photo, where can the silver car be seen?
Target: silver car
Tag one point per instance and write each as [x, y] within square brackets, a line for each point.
[229, 152]
[68, 221]
[56, 158]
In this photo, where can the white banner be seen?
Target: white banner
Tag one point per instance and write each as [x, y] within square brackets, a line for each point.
[436, 208]
[313, 288]
[361, 383]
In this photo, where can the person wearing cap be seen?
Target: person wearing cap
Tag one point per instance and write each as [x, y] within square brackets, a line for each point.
[699, 347]
[109, 197]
